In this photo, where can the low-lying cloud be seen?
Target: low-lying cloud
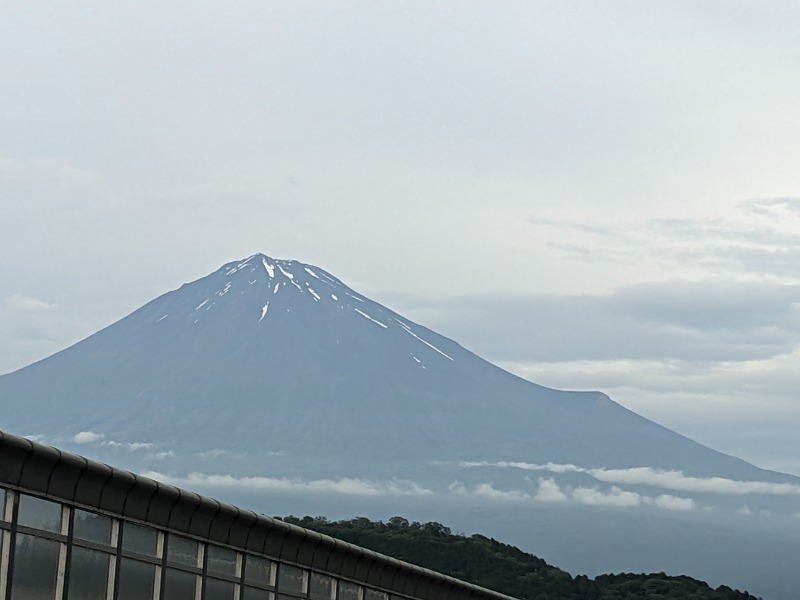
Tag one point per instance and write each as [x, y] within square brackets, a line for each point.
[163, 455]
[132, 446]
[93, 437]
[648, 476]
[227, 454]
[676, 480]
[86, 437]
[614, 497]
[548, 491]
[345, 486]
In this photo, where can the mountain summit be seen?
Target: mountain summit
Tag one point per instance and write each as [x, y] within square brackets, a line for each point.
[279, 357]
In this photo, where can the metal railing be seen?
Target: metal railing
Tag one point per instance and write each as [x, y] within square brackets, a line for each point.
[267, 558]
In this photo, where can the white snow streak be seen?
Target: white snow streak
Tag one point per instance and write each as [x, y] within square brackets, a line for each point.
[285, 273]
[365, 315]
[270, 270]
[240, 266]
[264, 311]
[334, 297]
[310, 272]
[275, 289]
[202, 304]
[313, 293]
[162, 318]
[408, 330]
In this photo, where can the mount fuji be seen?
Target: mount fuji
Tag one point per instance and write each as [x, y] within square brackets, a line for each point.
[280, 356]
[272, 383]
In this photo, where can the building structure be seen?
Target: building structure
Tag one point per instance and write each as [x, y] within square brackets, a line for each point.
[75, 529]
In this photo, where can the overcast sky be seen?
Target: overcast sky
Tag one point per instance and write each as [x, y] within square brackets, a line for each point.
[594, 195]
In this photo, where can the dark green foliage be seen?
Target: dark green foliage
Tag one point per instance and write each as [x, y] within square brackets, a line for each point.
[507, 569]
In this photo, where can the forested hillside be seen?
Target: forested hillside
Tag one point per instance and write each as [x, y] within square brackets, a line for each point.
[507, 569]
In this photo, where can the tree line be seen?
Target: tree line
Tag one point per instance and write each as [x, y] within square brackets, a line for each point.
[497, 566]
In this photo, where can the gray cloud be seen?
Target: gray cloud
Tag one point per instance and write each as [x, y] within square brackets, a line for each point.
[227, 454]
[711, 235]
[780, 262]
[674, 320]
[774, 208]
[162, 455]
[758, 238]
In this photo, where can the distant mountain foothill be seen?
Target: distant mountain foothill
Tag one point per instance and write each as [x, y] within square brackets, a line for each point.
[504, 568]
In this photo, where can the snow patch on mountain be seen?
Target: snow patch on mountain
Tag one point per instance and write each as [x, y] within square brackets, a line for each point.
[268, 267]
[286, 273]
[363, 314]
[407, 329]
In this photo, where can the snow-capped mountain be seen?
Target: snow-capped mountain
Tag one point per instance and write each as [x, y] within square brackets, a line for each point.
[280, 356]
[272, 384]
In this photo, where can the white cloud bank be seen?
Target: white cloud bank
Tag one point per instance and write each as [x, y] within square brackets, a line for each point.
[550, 492]
[676, 480]
[487, 491]
[667, 479]
[614, 497]
[345, 486]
